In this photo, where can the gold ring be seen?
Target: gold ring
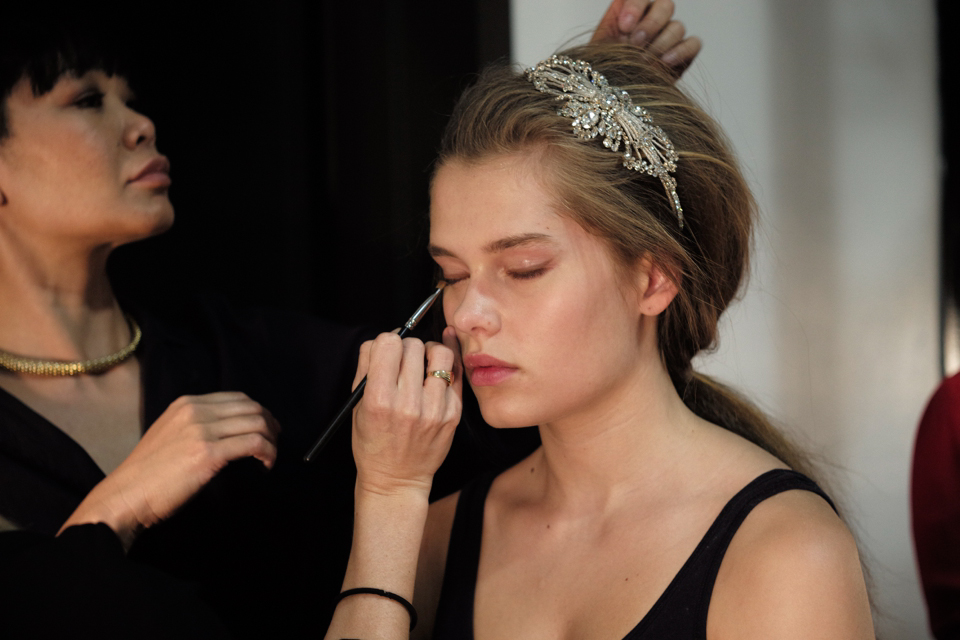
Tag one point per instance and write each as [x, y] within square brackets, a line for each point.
[443, 375]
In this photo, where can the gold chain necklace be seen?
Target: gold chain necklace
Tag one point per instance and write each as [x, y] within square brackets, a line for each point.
[38, 367]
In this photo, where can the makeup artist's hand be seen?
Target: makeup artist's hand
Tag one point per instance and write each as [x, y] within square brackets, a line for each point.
[187, 446]
[404, 425]
[402, 430]
[648, 23]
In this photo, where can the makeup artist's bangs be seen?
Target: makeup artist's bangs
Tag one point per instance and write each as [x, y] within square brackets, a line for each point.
[42, 48]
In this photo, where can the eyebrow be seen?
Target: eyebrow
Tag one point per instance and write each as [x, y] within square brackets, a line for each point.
[510, 242]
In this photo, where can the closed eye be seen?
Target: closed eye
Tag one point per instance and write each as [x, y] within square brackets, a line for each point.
[527, 275]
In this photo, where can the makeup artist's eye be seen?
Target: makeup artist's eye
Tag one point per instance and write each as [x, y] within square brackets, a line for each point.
[91, 99]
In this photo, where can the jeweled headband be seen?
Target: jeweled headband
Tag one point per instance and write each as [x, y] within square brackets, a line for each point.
[599, 109]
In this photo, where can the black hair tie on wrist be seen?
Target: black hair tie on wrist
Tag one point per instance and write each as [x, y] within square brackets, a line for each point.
[383, 594]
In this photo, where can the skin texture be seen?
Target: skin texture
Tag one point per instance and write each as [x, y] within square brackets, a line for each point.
[69, 163]
[79, 175]
[511, 261]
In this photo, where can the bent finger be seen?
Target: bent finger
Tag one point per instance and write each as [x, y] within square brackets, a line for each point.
[654, 20]
[256, 424]
[607, 28]
[682, 55]
[248, 445]
[630, 14]
[440, 358]
[671, 36]
[363, 363]
[386, 354]
[449, 339]
[219, 397]
[412, 365]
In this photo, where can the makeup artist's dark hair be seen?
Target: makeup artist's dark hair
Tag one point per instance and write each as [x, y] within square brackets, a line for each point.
[708, 259]
[40, 49]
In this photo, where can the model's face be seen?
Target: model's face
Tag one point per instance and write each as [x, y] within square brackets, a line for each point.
[547, 328]
[80, 163]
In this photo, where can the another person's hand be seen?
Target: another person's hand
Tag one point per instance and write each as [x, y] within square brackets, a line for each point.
[404, 425]
[187, 446]
[649, 23]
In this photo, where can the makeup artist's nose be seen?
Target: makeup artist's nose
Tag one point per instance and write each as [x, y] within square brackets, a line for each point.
[475, 312]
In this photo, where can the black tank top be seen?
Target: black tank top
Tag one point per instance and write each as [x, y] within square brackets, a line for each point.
[680, 612]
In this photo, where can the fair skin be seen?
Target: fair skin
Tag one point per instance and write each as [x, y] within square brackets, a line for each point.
[628, 479]
[80, 174]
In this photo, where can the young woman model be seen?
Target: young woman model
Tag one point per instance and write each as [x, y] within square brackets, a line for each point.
[660, 505]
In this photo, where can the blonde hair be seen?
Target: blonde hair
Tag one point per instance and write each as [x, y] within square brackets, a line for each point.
[502, 113]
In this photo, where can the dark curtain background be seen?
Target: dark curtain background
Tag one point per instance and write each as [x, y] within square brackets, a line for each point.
[301, 136]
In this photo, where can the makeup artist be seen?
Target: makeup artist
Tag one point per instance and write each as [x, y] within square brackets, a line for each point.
[145, 431]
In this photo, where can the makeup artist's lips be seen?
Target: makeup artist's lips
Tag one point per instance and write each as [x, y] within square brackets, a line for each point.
[155, 174]
[486, 371]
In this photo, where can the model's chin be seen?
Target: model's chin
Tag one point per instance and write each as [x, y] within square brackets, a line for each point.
[505, 415]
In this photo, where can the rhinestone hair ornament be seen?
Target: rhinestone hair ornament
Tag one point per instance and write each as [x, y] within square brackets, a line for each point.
[598, 109]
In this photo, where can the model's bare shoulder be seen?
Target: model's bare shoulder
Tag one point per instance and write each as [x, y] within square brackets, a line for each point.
[791, 571]
[433, 561]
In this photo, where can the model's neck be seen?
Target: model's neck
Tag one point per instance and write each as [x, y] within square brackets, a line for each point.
[631, 438]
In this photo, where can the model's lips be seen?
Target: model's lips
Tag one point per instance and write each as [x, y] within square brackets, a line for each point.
[485, 371]
[155, 173]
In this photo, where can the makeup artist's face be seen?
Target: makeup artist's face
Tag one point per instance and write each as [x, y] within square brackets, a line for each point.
[547, 329]
[80, 163]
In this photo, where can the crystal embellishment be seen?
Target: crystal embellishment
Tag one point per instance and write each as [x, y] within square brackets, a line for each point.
[598, 109]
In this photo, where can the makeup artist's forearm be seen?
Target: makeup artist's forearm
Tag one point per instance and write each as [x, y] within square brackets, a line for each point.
[387, 532]
[105, 505]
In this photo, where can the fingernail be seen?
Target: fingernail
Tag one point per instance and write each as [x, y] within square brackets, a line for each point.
[639, 37]
[670, 59]
[627, 21]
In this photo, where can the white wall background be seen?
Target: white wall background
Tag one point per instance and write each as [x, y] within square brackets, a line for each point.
[831, 105]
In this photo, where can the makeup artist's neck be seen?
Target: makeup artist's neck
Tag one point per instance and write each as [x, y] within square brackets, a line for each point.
[64, 304]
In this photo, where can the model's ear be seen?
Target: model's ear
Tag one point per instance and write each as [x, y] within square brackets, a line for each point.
[655, 287]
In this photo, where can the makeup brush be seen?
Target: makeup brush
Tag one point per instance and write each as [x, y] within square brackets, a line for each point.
[358, 392]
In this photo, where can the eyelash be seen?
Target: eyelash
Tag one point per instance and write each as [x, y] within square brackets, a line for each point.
[516, 275]
[527, 275]
[90, 100]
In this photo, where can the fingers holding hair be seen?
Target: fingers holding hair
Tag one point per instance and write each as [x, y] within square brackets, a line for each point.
[649, 23]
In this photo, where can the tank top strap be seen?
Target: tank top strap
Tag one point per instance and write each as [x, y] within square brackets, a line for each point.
[455, 608]
[681, 610]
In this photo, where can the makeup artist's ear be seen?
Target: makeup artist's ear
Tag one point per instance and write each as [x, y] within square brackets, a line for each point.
[655, 288]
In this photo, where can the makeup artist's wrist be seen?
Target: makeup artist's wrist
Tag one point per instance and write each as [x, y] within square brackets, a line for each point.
[379, 495]
[391, 486]
[104, 506]
[386, 536]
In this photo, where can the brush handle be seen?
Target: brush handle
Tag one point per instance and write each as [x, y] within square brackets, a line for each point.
[358, 392]
[337, 422]
[344, 413]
